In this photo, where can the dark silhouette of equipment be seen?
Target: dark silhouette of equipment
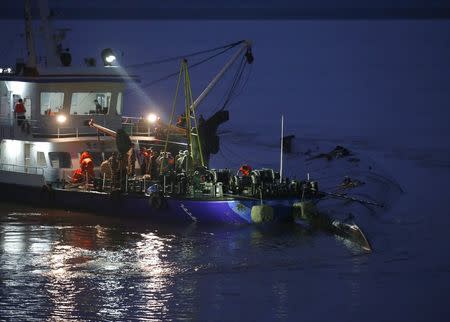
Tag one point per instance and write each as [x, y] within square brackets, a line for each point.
[123, 142]
[208, 133]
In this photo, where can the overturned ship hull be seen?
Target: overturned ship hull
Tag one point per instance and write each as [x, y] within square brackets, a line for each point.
[225, 210]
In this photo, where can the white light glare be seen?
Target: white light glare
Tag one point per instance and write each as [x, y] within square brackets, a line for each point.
[61, 118]
[109, 59]
[152, 118]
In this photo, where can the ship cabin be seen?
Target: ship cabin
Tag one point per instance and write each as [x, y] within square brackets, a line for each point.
[46, 146]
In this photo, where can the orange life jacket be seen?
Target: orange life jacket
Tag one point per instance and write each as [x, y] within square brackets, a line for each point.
[84, 155]
[245, 169]
[20, 108]
[86, 169]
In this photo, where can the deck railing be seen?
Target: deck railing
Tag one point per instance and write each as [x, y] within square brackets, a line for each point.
[134, 126]
[21, 168]
[138, 126]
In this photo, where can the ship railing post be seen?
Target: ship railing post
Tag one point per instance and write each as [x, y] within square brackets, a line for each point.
[143, 188]
[86, 185]
[126, 183]
[77, 132]
[58, 132]
[104, 181]
[164, 184]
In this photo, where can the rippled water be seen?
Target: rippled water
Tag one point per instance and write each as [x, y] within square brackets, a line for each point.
[62, 265]
[58, 265]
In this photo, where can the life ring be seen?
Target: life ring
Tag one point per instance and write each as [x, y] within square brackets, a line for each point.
[47, 195]
[157, 201]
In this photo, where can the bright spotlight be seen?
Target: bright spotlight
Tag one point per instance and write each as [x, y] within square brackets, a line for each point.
[152, 118]
[61, 119]
[108, 57]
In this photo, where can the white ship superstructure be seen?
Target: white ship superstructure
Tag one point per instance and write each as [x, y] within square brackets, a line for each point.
[59, 100]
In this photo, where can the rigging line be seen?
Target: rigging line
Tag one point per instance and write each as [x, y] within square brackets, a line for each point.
[240, 157]
[176, 73]
[169, 59]
[223, 99]
[235, 95]
[233, 159]
[236, 163]
[235, 81]
[235, 84]
[244, 84]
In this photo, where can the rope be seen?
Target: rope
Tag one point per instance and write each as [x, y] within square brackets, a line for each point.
[176, 73]
[233, 91]
[169, 59]
[236, 80]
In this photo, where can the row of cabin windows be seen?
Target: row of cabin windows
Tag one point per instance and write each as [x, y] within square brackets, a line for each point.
[82, 103]
[63, 159]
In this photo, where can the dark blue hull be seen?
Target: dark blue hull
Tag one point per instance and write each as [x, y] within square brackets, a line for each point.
[210, 211]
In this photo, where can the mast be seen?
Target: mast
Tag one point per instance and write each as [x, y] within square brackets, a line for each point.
[281, 150]
[50, 43]
[194, 143]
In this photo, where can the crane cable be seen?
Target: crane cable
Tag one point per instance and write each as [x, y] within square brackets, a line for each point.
[236, 80]
[176, 73]
[169, 59]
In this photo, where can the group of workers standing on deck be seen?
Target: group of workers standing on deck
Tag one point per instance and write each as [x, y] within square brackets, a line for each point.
[117, 168]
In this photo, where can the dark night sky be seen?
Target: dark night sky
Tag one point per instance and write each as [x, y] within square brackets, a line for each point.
[361, 74]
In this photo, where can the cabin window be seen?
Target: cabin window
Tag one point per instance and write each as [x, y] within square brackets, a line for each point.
[40, 159]
[90, 103]
[119, 104]
[51, 102]
[60, 159]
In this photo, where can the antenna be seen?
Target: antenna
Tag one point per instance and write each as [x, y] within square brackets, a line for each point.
[281, 150]
[50, 44]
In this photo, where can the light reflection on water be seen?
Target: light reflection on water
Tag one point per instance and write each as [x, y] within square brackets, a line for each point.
[66, 265]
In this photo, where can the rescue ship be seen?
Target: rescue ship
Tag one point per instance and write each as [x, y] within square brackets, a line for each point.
[65, 143]
[60, 123]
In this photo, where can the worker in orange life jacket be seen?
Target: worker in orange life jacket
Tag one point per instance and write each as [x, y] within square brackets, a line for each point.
[245, 170]
[181, 120]
[86, 169]
[19, 112]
